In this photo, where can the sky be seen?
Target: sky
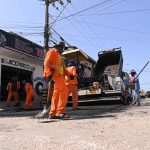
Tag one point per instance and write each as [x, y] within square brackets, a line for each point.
[92, 26]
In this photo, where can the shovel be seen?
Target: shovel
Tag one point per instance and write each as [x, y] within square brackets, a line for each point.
[46, 107]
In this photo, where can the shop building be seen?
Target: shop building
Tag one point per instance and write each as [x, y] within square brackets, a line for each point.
[21, 58]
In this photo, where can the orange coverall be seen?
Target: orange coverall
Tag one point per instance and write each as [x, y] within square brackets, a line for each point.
[54, 60]
[29, 96]
[72, 86]
[12, 92]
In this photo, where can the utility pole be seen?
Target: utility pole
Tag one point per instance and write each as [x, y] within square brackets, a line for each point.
[47, 32]
[46, 28]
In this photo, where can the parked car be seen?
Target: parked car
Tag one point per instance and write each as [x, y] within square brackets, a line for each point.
[148, 94]
[142, 94]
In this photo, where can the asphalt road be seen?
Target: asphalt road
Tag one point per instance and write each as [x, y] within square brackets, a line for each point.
[108, 126]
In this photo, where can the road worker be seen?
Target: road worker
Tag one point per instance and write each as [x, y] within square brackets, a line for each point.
[72, 84]
[29, 94]
[135, 85]
[12, 88]
[54, 68]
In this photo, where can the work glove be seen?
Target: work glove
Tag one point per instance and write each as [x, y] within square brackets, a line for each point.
[50, 76]
[47, 79]
[52, 70]
[71, 77]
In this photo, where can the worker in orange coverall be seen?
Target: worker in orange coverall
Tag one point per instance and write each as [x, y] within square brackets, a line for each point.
[54, 68]
[29, 95]
[13, 87]
[72, 84]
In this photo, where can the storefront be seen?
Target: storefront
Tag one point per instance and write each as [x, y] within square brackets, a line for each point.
[21, 58]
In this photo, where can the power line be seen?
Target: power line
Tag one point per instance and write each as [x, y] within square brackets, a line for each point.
[59, 15]
[84, 10]
[34, 28]
[118, 28]
[90, 29]
[107, 37]
[39, 27]
[89, 8]
[47, 33]
[113, 4]
[117, 12]
[17, 22]
[99, 25]
[61, 37]
[52, 24]
[84, 31]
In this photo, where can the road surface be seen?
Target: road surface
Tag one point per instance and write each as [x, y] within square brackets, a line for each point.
[100, 127]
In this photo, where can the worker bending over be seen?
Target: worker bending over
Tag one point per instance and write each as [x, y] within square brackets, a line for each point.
[29, 95]
[72, 84]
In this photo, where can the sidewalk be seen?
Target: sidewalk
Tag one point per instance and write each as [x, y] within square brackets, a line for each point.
[3, 106]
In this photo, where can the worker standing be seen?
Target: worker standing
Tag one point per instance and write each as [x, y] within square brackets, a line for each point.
[54, 68]
[72, 84]
[29, 95]
[135, 86]
[12, 88]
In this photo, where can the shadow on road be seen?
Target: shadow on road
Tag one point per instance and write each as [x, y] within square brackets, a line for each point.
[90, 110]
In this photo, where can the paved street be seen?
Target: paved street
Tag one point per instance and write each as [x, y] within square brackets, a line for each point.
[100, 127]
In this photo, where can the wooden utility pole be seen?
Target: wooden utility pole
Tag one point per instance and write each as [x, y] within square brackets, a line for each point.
[46, 28]
[47, 32]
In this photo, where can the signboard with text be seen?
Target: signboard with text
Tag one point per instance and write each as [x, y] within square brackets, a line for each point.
[14, 41]
[18, 64]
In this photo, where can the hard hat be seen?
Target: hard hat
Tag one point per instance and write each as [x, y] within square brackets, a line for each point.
[133, 71]
[70, 64]
[24, 82]
[60, 44]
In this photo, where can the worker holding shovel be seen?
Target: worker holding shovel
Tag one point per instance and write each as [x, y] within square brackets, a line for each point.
[135, 85]
[54, 69]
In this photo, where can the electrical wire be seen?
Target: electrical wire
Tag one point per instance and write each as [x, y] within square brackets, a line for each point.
[90, 29]
[59, 15]
[117, 12]
[84, 10]
[84, 31]
[60, 37]
[113, 5]
[117, 28]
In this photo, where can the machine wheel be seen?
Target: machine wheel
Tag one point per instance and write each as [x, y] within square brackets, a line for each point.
[128, 100]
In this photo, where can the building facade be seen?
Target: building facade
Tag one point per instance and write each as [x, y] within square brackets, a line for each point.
[21, 58]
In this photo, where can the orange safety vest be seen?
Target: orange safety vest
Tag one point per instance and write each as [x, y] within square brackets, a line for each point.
[10, 84]
[29, 88]
[73, 71]
[53, 60]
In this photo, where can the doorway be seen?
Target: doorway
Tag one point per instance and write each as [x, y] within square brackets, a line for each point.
[6, 75]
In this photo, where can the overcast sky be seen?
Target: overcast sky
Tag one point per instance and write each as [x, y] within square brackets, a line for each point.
[92, 25]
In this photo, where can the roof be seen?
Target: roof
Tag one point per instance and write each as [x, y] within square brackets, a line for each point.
[77, 54]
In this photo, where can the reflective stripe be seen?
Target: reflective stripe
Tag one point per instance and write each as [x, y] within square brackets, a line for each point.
[61, 101]
[60, 66]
